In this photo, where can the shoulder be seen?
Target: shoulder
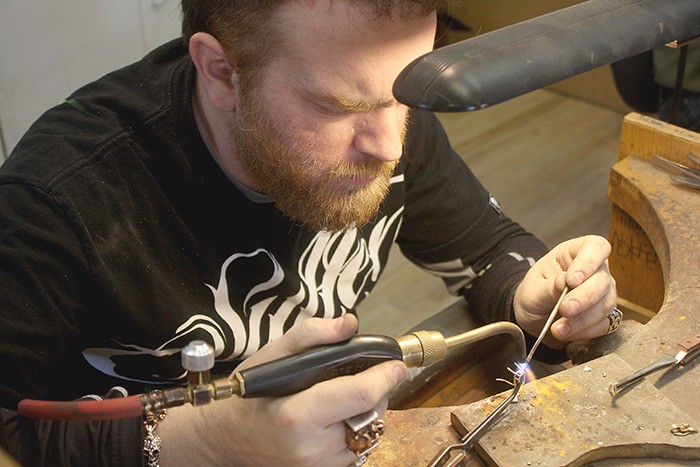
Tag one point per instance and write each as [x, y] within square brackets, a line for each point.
[426, 142]
[421, 122]
[99, 118]
[424, 132]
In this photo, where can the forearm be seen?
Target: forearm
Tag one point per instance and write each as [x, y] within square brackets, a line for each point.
[48, 442]
[500, 270]
[211, 435]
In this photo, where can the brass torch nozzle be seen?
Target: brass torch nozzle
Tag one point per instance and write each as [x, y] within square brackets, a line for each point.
[423, 348]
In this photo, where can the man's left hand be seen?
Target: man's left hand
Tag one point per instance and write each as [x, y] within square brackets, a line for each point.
[582, 265]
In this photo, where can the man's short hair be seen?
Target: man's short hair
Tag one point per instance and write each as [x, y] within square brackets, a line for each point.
[245, 29]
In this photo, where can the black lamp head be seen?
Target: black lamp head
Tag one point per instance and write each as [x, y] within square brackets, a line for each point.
[502, 64]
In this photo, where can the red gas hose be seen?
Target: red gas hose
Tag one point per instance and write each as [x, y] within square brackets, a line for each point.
[106, 409]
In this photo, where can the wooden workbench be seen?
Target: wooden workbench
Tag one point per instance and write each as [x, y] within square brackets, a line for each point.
[655, 233]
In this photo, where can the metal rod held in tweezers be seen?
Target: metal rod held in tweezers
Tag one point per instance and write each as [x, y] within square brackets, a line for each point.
[444, 457]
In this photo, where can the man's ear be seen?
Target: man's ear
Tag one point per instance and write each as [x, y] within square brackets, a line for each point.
[217, 76]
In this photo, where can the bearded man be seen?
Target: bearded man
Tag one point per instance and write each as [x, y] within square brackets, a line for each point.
[244, 189]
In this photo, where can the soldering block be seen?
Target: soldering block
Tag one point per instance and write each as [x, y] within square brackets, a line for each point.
[569, 418]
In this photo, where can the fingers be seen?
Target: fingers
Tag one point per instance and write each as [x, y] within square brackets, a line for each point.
[598, 287]
[592, 323]
[582, 257]
[317, 331]
[309, 426]
[585, 308]
[340, 431]
[581, 264]
[348, 396]
[320, 411]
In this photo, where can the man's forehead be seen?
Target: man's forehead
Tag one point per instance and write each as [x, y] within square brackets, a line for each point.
[352, 13]
[346, 32]
[343, 60]
[377, 8]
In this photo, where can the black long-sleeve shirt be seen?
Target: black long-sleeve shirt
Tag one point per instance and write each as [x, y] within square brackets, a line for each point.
[121, 240]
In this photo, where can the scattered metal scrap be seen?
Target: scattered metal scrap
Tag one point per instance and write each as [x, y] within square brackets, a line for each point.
[683, 429]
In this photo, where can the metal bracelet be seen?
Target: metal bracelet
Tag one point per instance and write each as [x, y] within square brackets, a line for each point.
[152, 443]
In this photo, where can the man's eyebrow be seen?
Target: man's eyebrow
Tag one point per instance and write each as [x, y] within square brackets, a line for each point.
[349, 104]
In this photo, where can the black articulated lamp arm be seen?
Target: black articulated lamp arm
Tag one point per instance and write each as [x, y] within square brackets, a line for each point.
[502, 64]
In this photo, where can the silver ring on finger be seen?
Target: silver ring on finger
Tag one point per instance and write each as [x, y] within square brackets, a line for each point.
[363, 434]
[614, 318]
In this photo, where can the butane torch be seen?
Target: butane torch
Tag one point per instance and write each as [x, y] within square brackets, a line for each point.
[280, 377]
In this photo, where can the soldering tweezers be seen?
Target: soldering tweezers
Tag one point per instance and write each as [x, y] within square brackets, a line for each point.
[690, 348]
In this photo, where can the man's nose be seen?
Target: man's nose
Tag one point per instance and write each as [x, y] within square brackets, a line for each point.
[380, 134]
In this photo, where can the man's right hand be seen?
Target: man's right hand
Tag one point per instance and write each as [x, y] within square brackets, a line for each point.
[306, 428]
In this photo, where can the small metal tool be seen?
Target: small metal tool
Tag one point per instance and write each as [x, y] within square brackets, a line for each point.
[680, 173]
[690, 348]
[452, 455]
[687, 181]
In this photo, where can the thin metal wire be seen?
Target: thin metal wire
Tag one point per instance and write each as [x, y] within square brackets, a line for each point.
[547, 324]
